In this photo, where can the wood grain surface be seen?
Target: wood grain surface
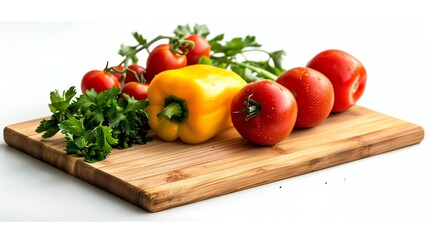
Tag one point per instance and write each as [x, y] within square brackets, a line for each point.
[161, 175]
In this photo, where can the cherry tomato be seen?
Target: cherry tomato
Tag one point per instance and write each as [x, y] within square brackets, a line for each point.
[163, 58]
[129, 76]
[347, 74]
[99, 81]
[139, 70]
[118, 74]
[136, 90]
[201, 48]
[264, 112]
[313, 92]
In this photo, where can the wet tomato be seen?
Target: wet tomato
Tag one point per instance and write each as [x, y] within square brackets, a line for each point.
[264, 112]
[346, 73]
[313, 92]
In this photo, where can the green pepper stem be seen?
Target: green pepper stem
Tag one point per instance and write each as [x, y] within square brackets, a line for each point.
[175, 110]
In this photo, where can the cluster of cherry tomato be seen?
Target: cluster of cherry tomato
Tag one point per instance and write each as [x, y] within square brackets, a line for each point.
[265, 112]
[134, 79]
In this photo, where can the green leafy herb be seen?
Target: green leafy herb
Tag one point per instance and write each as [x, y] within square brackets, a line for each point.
[185, 30]
[232, 55]
[61, 111]
[95, 123]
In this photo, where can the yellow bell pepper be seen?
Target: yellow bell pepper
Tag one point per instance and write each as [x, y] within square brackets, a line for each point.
[192, 103]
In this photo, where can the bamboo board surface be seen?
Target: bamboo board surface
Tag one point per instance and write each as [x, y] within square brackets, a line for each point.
[161, 175]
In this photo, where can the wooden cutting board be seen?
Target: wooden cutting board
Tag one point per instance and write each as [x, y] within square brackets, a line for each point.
[161, 175]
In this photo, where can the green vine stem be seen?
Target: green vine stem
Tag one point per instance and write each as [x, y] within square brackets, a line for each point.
[262, 72]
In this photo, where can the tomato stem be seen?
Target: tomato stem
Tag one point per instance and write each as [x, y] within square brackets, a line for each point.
[355, 85]
[180, 46]
[253, 108]
[107, 66]
[145, 46]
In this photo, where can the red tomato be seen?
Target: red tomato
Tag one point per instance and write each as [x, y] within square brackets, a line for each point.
[163, 58]
[313, 92]
[139, 70]
[347, 74]
[264, 112]
[129, 76]
[201, 48]
[118, 74]
[99, 81]
[136, 90]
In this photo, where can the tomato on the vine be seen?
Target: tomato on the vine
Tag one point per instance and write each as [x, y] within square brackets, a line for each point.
[129, 75]
[139, 70]
[347, 74]
[98, 80]
[264, 112]
[313, 92]
[163, 58]
[136, 90]
[117, 72]
[201, 48]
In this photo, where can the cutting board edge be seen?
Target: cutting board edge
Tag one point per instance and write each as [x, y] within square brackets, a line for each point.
[154, 203]
[76, 167]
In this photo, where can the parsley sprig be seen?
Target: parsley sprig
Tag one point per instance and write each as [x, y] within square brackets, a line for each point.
[233, 55]
[95, 123]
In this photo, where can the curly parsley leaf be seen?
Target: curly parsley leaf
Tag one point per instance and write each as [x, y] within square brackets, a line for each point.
[60, 109]
[95, 123]
[72, 126]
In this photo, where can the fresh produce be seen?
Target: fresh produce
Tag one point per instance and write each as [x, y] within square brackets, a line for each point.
[192, 45]
[192, 88]
[163, 58]
[117, 71]
[98, 80]
[95, 123]
[197, 35]
[264, 112]
[313, 92]
[192, 103]
[135, 73]
[201, 49]
[347, 74]
[136, 89]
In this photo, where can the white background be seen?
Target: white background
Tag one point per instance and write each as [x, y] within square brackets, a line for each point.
[47, 45]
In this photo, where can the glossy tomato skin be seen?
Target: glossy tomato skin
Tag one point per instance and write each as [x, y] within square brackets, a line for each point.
[99, 81]
[347, 74]
[118, 74]
[201, 48]
[130, 77]
[277, 115]
[136, 90]
[163, 58]
[313, 92]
